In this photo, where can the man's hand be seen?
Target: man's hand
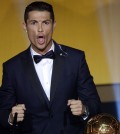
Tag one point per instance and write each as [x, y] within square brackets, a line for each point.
[76, 106]
[19, 109]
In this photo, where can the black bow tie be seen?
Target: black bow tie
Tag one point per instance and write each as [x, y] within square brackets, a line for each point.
[38, 58]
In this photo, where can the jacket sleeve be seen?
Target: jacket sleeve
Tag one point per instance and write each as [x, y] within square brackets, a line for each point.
[7, 96]
[86, 88]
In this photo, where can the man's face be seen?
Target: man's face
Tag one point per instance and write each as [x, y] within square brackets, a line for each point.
[39, 27]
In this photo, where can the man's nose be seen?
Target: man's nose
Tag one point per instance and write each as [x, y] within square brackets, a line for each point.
[40, 28]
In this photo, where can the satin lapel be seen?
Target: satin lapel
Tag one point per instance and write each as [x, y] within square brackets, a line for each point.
[58, 66]
[33, 78]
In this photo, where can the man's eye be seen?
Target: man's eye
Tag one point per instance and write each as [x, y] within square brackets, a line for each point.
[33, 23]
[46, 22]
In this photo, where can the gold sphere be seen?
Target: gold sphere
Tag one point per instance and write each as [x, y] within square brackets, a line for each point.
[103, 124]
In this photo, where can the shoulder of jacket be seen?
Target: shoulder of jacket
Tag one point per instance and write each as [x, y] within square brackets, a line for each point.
[71, 49]
[16, 57]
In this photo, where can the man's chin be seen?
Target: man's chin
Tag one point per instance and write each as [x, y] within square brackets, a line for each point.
[42, 50]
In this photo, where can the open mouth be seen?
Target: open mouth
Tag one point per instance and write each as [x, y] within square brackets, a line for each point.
[41, 39]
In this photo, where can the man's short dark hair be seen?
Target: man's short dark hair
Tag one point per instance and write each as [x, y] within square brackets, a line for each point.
[39, 6]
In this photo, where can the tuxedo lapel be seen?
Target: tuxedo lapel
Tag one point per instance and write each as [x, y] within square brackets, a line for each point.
[58, 66]
[33, 78]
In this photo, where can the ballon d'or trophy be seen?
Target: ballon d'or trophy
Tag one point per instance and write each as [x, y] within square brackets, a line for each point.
[103, 124]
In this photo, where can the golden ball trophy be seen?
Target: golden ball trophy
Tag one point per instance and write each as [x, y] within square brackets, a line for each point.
[103, 124]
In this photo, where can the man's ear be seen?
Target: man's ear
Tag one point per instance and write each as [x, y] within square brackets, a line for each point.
[24, 26]
[54, 25]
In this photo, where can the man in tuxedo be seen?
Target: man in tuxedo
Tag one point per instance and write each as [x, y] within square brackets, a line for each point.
[49, 85]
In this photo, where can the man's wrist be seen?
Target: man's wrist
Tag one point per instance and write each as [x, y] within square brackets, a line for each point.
[86, 113]
[10, 119]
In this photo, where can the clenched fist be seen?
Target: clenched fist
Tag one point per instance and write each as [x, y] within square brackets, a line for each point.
[76, 106]
[20, 110]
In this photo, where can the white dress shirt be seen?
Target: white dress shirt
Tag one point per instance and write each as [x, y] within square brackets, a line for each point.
[44, 71]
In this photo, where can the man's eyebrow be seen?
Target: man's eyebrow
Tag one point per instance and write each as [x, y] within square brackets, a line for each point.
[32, 20]
[47, 20]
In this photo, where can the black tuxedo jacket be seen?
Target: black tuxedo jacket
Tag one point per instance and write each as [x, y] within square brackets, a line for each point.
[71, 79]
